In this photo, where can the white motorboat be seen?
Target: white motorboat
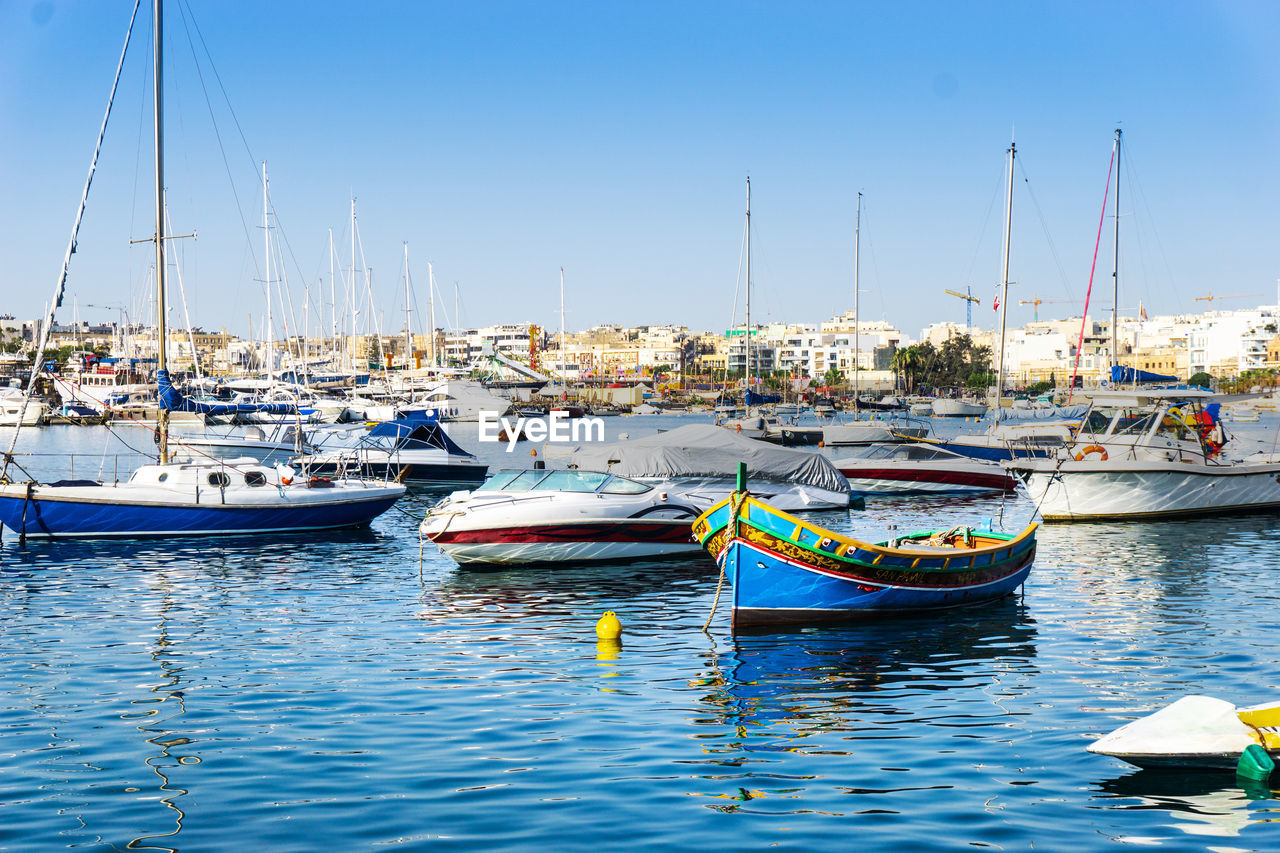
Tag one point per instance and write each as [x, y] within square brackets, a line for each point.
[455, 400]
[904, 469]
[702, 460]
[856, 432]
[12, 412]
[544, 516]
[1194, 733]
[950, 407]
[416, 450]
[251, 441]
[1007, 440]
[1149, 453]
[750, 425]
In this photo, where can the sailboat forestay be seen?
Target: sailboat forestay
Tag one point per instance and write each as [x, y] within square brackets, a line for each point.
[193, 496]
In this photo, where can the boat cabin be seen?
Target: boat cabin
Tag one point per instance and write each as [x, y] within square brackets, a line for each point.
[1164, 421]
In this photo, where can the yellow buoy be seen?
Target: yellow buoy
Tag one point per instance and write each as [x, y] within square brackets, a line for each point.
[609, 628]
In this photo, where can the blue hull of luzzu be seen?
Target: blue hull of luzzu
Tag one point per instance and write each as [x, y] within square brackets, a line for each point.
[44, 517]
[786, 571]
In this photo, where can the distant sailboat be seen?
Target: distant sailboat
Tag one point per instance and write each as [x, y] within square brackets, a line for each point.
[195, 496]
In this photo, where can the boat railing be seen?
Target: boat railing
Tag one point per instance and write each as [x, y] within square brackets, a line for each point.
[96, 460]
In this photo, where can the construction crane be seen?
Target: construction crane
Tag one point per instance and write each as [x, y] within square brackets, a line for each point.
[1037, 302]
[968, 308]
[1211, 296]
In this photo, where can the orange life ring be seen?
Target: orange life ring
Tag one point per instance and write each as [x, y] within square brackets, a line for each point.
[1093, 448]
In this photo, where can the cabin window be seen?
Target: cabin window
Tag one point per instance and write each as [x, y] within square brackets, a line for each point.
[219, 479]
[163, 477]
[255, 478]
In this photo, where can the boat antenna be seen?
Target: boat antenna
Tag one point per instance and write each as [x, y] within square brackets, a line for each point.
[47, 326]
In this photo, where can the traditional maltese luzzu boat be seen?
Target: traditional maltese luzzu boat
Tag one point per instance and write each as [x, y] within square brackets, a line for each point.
[788, 571]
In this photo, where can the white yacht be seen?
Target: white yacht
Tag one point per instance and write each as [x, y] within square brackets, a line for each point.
[1148, 454]
[12, 413]
[543, 516]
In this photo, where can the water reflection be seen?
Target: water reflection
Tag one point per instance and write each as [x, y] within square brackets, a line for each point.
[193, 556]
[797, 682]
[564, 589]
[158, 716]
[1199, 804]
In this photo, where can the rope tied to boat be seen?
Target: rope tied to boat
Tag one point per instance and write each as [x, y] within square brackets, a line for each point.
[737, 501]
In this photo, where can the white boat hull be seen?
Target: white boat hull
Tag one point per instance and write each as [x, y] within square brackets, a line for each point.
[1087, 491]
[12, 414]
[859, 432]
[947, 408]
[498, 553]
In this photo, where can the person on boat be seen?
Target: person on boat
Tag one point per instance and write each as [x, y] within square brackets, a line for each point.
[1209, 428]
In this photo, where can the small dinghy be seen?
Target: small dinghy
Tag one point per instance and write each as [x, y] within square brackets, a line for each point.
[1194, 733]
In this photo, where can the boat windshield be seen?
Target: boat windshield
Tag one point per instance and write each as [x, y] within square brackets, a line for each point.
[571, 481]
[905, 451]
[623, 486]
[511, 481]
[515, 480]
[1133, 422]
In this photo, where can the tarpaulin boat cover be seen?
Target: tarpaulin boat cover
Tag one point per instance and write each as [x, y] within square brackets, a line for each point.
[1120, 375]
[1041, 413]
[706, 450]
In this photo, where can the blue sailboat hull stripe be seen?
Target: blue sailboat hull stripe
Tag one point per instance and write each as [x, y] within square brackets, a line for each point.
[81, 518]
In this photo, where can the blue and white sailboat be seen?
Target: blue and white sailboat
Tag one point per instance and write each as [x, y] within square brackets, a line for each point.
[179, 497]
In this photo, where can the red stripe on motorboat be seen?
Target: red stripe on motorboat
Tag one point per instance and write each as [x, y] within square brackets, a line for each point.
[950, 478]
[652, 531]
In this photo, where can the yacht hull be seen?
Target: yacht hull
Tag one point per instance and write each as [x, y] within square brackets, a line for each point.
[108, 511]
[1083, 491]
[555, 542]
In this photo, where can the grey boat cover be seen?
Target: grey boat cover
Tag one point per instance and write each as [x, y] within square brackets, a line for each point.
[1042, 413]
[706, 450]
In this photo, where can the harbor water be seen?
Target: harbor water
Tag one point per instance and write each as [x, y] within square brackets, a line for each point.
[358, 691]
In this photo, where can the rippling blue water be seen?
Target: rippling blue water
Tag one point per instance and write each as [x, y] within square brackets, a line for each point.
[332, 691]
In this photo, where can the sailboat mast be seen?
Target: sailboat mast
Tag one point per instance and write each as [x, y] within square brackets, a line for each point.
[1004, 277]
[333, 303]
[1115, 270]
[266, 253]
[162, 364]
[351, 289]
[563, 370]
[434, 355]
[747, 370]
[857, 314]
[408, 325]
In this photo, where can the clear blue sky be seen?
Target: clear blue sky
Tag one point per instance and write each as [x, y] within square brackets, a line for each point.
[504, 140]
